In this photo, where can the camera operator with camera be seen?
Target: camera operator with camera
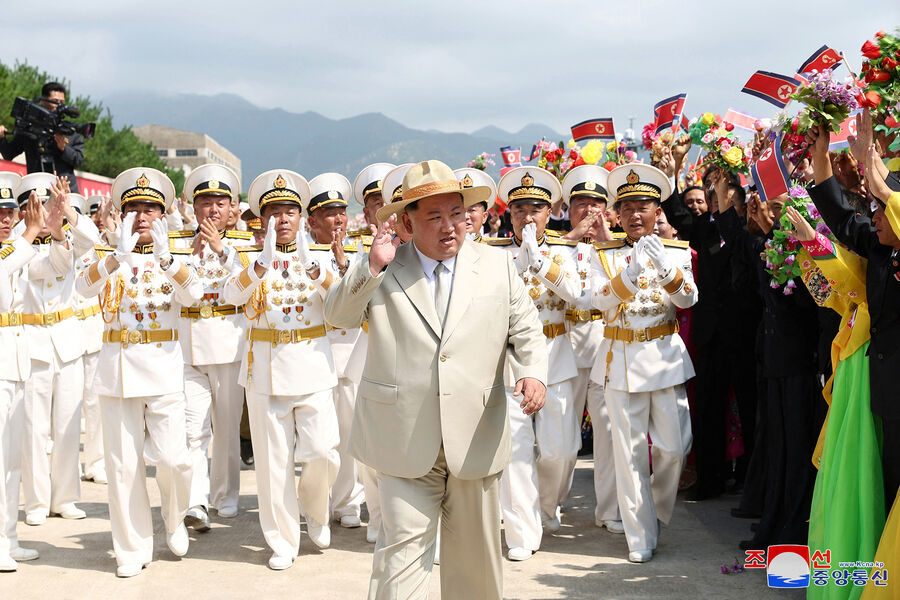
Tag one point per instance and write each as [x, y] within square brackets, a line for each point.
[50, 144]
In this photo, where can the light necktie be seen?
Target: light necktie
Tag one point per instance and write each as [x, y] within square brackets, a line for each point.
[441, 290]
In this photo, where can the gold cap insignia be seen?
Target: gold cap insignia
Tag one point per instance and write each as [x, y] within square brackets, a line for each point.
[589, 185]
[41, 191]
[467, 181]
[5, 193]
[142, 181]
[527, 180]
[213, 184]
[333, 195]
[280, 183]
[632, 177]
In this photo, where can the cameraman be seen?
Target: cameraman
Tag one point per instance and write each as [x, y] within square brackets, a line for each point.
[62, 153]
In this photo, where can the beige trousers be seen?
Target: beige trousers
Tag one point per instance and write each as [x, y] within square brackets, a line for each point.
[469, 513]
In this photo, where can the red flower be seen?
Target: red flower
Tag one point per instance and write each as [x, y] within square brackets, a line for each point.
[871, 99]
[865, 67]
[729, 126]
[880, 34]
[891, 122]
[573, 154]
[870, 75]
[578, 162]
[879, 75]
[889, 63]
[610, 165]
[871, 50]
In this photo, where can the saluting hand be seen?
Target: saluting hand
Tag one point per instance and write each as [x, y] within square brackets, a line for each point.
[384, 248]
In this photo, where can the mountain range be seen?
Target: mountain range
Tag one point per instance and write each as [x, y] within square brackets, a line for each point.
[310, 143]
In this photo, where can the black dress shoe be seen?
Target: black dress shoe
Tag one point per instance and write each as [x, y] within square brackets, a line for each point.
[754, 527]
[738, 513]
[247, 452]
[698, 494]
[753, 544]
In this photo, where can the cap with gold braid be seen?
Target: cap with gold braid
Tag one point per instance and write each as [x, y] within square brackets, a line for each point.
[469, 177]
[212, 180]
[142, 184]
[369, 181]
[586, 180]
[278, 186]
[529, 185]
[430, 178]
[8, 184]
[40, 183]
[78, 202]
[392, 189]
[94, 203]
[327, 190]
[636, 181]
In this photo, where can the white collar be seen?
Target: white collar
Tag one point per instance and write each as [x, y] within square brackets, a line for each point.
[428, 264]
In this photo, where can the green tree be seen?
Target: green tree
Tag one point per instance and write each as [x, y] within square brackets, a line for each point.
[111, 150]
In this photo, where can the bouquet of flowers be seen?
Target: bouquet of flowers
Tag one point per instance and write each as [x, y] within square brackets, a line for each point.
[482, 161]
[723, 149]
[881, 76]
[782, 250]
[794, 144]
[559, 159]
[828, 102]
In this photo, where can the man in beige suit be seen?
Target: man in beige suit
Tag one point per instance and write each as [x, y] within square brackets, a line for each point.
[431, 415]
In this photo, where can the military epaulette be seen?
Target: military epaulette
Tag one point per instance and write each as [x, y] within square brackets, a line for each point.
[559, 241]
[249, 248]
[359, 232]
[609, 244]
[7, 250]
[554, 233]
[182, 251]
[676, 243]
[184, 233]
[320, 246]
[350, 248]
[619, 235]
[243, 251]
[237, 234]
[495, 241]
[7, 242]
[102, 250]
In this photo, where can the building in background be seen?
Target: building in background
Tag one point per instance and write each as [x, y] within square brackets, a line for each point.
[187, 150]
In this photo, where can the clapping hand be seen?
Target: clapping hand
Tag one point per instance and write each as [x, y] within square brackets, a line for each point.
[657, 253]
[159, 232]
[127, 237]
[634, 268]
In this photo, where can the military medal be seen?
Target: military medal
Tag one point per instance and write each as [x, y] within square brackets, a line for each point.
[534, 293]
[147, 276]
[284, 271]
[286, 312]
[139, 317]
[299, 311]
[154, 324]
[134, 278]
[165, 306]
[151, 306]
[166, 288]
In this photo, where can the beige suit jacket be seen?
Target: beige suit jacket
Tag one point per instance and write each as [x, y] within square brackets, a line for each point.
[424, 385]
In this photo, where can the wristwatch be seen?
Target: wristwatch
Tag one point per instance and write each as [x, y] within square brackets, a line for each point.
[165, 265]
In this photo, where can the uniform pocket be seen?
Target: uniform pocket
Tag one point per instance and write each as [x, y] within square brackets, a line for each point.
[383, 393]
[494, 395]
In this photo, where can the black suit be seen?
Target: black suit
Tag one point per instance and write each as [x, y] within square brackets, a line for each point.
[64, 162]
[883, 295]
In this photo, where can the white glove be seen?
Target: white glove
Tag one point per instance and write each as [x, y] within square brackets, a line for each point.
[267, 256]
[306, 258]
[160, 234]
[529, 243]
[634, 268]
[521, 261]
[657, 252]
[127, 240]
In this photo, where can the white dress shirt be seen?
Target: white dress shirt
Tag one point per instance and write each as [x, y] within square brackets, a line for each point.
[428, 265]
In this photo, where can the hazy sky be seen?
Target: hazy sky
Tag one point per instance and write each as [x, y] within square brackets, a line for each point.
[452, 66]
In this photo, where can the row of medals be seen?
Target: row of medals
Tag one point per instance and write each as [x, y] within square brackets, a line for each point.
[151, 308]
[289, 284]
[210, 268]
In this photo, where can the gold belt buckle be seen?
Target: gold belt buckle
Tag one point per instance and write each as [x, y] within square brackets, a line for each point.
[284, 336]
[15, 319]
[206, 311]
[134, 337]
[50, 318]
[641, 335]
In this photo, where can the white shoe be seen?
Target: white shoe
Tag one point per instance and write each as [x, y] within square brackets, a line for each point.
[228, 512]
[35, 518]
[7, 564]
[552, 524]
[278, 562]
[350, 521]
[519, 554]
[97, 477]
[178, 541]
[319, 534]
[612, 526]
[640, 556]
[129, 570]
[69, 511]
[371, 534]
[21, 554]
[437, 555]
[197, 518]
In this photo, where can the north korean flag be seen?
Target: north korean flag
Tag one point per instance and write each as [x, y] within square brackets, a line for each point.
[821, 59]
[848, 128]
[770, 173]
[594, 129]
[771, 87]
[667, 113]
[512, 156]
[740, 119]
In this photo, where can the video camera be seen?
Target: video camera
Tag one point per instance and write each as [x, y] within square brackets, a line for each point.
[39, 123]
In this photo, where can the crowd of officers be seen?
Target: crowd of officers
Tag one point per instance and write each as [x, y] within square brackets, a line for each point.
[161, 332]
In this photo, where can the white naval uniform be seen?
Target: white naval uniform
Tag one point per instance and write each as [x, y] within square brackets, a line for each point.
[211, 334]
[141, 402]
[50, 466]
[288, 373]
[643, 381]
[532, 487]
[347, 491]
[585, 327]
[15, 367]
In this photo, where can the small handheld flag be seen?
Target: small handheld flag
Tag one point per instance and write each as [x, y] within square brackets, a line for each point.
[740, 119]
[848, 128]
[667, 113]
[770, 173]
[771, 87]
[594, 129]
[821, 59]
[512, 156]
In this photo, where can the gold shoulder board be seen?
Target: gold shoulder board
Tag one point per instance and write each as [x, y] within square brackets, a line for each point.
[494, 241]
[184, 233]
[676, 243]
[237, 234]
[609, 244]
[182, 251]
[553, 241]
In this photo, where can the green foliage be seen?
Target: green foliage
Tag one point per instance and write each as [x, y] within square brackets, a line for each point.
[111, 150]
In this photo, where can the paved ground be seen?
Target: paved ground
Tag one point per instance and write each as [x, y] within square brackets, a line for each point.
[582, 561]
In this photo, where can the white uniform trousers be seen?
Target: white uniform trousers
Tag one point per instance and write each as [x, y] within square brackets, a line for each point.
[347, 491]
[138, 432]
[467, 512]
[215, 401]
[93, 431]
[532, 485]
[369, 478]
[50, 468]
[12, 423]
[587, 391]
[664, 414]
[285, 430]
